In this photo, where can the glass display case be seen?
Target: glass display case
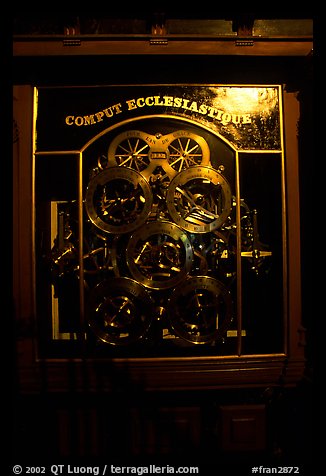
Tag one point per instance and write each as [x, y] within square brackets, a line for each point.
[160, 221]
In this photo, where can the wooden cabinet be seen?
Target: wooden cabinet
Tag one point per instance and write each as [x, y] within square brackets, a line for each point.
[190, 393]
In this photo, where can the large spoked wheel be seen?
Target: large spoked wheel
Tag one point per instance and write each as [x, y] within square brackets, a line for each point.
[187, 150]
[130, 149]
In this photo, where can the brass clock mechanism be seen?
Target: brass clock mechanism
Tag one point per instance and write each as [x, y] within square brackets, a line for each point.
[118, 200]
[160, 233]
[199, 199]
[200, 309]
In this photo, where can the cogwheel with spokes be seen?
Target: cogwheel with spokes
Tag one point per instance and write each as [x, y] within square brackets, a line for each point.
[130, 149]
[187, 150]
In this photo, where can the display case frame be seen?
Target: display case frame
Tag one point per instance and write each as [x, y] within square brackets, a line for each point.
[207, 371]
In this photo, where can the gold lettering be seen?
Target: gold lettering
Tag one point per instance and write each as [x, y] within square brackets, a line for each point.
[219, 115]
[99, 116]
[117, 108]
[149, 101]
[150, 140]
[108, 112]
[157, 101]
[246, 119]
[131, 104]
[177, 102]
[202, 109]
[236, 118]
[132, 134]
[226, 118]
[70, 120]
[89, 120]
[212, 112]
[193, 106]
[140, 102]
[168, 100]
[79, 121]
[180, 133]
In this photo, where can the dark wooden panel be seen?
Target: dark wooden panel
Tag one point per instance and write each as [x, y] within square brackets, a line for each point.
[242, 428]
[165, 430]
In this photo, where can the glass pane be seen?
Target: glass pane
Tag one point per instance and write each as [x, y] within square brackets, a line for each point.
[56, 248]
[137, 226]
[262, 265]
[159, 195]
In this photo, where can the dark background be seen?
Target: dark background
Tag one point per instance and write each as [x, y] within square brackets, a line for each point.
[297, 74]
